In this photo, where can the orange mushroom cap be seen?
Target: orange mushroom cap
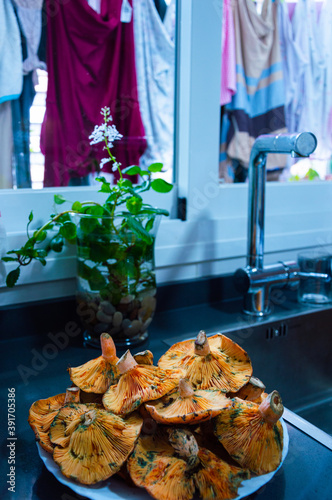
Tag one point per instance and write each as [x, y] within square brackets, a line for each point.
[144, 358]
[171, 468]
[187, 406]
[99, 373]
[252, 391]
[138, 384]
[252, 434]
[92, 443]
[217, 362]
[43, 412]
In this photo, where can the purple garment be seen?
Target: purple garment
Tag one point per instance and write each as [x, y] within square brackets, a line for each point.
[91, 64]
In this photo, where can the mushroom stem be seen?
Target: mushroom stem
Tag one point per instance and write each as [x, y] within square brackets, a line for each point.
[271, 408]
[108, 349]
[202, 347]
[72, 395]
[185, 388]
[126, 363]
[252, 390]
[185, 445]
[89, 417]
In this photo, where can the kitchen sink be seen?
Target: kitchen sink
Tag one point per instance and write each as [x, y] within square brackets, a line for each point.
[291, 351]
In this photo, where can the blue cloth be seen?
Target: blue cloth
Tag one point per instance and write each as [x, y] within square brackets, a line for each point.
[21, 132]
[11, 72]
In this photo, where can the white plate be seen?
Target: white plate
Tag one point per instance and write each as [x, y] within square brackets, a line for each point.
[116, 489]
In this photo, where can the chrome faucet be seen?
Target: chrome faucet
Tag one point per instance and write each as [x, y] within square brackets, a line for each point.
[255, 280]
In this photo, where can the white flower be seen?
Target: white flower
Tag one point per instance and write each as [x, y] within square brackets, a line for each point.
[97, 134]
[106, 112]
[105, 132]
[115, 166]
[103, 161]
[112, 135]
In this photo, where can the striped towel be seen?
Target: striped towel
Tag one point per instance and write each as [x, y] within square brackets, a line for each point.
[258, 105]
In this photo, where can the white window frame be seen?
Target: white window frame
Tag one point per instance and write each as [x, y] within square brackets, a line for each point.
[212, 240]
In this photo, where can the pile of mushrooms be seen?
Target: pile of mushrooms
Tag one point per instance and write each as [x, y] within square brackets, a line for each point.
[197, 423]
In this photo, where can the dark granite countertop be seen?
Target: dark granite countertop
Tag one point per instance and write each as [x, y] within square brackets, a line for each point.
[36, 368]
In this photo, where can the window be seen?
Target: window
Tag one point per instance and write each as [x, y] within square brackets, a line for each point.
[212, 239]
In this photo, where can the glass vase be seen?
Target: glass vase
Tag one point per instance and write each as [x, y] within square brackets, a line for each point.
[116, 276]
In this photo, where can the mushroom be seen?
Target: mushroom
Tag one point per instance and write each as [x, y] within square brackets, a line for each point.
[172, 469]
[252, 434]
[91, 443]
[144, 358]
[217, 362]
[252, 391]
[43, 411]
[186, 405]
[98, 374]
[138, 384]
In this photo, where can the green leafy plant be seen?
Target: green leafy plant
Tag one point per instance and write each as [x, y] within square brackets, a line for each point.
[124, 215]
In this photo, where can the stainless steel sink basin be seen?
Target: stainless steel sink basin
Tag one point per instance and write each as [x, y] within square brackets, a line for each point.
[291, 352]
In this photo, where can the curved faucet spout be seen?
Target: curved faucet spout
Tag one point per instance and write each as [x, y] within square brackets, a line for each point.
[256, 280]
[303, 145]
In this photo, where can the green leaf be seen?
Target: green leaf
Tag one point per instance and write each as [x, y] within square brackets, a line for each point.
[30, 216]
[155, 167]
[41, 253]
[100, 251]
[41, 260]
[95, 210]
[149, 224]
[127, 183]
[134, 204]
[9, 259]
[39, 236]
[63, 218]
[84, 271]
[12, 277]
[77, 206]
[96, 279]
[88, 224]
[161, 186]
[59, 199]
[139, 230]
[312, 174]
[68, 230]
[145, 186]
[29, 244]
[56, 244]
[151, 210]
[105, 188]
[133, 170]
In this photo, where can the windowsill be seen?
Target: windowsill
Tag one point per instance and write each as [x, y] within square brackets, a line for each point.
[212, 243]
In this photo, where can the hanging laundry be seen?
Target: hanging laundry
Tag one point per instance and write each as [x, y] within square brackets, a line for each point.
[228, 67]
[325, 39]
[30, 18]
[305, 25]
[6, 146]
[170, 19]
[161, 7]
[91, 64]
[258, 105]
[155, 64]
[11, 76]
[21, 132]
[294, 62]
